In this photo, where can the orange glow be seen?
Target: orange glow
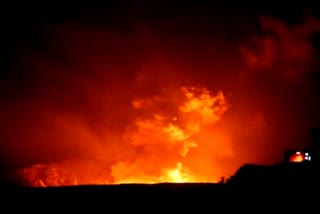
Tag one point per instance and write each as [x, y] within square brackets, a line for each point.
[148, 102]
[176, 175]
[297, 157]
[165, 146]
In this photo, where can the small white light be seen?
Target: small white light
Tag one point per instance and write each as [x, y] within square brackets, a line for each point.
[298, 153]
[306, 154]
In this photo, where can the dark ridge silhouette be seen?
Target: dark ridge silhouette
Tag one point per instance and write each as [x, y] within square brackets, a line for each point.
[295, 175]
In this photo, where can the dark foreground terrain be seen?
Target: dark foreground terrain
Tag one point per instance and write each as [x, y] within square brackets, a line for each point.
[253, 188]
[202, 198]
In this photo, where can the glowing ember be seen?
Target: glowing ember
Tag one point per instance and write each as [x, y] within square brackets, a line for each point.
[159, 144]
[297, 157]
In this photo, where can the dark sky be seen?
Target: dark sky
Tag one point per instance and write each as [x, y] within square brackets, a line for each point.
[262, 55]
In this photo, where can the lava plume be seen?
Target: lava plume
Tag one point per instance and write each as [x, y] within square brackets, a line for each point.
[160, 144]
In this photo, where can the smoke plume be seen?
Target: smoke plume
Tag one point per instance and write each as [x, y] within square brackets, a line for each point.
[158, 100]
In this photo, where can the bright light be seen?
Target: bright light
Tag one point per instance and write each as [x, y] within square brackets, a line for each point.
[308, 158]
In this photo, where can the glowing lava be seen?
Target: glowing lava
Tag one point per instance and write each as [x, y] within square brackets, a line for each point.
[177, 175]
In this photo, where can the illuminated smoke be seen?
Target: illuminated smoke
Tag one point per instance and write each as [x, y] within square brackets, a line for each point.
[158, 144]
[281, 63]
[284, 49]
[166, 139]
[105, 106]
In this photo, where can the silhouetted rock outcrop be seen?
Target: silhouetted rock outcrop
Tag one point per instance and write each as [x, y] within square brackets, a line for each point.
[282, 175]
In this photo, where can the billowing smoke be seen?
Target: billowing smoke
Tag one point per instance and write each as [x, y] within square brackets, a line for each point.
[159, 100]
[105, 102]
